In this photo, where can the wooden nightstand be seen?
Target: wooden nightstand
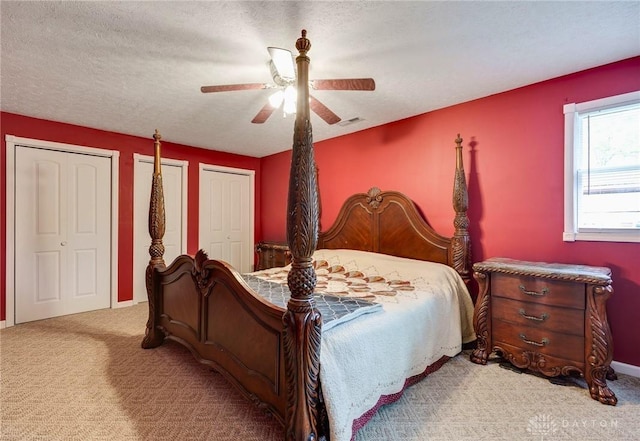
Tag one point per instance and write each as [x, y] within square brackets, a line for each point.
[271, 254]
[549, 318]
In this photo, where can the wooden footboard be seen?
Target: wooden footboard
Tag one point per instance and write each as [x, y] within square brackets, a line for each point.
[206, 306]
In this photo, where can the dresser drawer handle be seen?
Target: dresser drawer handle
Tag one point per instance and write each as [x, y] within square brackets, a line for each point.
[544, 342]
[542, 318]
[544, 291]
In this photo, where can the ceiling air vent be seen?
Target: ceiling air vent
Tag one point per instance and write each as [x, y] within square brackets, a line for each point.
[348, 122]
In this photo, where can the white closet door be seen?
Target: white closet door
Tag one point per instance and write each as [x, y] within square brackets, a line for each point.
[226, 217]
[63, 233]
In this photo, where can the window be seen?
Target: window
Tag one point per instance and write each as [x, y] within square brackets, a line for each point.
[602, 169]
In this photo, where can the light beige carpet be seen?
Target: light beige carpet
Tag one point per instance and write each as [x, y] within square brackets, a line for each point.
[84, 377]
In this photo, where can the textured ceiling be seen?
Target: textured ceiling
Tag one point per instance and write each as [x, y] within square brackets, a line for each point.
[132, 67]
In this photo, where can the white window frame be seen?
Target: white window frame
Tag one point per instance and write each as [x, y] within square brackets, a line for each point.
[571, 135]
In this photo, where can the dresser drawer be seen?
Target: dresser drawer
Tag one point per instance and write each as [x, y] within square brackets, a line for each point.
[542, 291]
[549, 365]
[569, 347]
[547, 317]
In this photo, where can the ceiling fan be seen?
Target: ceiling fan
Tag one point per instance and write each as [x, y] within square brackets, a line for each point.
[283, 72]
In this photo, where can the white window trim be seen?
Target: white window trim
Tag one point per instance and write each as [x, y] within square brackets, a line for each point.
[571, 114]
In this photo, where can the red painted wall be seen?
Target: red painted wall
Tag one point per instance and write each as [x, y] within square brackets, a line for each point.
[127, 145]
[514, 159]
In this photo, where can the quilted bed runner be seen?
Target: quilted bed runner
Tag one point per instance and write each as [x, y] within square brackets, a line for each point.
[334, 309]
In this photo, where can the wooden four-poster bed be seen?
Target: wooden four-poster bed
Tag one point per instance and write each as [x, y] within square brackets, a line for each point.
[272, 352]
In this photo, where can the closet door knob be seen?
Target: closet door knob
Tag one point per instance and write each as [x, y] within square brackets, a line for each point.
[63, 243]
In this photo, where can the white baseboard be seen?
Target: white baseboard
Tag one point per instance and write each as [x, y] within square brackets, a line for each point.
[627, 369]
[124, 304]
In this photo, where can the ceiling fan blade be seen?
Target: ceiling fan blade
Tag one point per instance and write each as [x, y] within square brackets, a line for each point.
[283, 62]
[231, 87]
[323, 111]
[345, 84]
[264, 114]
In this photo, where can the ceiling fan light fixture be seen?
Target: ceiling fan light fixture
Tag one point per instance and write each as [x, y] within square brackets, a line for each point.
[283, 72]
[276, 99]
[290, 100]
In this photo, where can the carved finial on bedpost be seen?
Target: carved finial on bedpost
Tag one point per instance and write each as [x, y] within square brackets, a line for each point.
[461, 242]
[302, 321]
[152, 336]
[156, 152]
[303, 44]
[302, 102]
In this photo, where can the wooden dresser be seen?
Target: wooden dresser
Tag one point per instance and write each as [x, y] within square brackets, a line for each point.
[272, 254]
[546, 317]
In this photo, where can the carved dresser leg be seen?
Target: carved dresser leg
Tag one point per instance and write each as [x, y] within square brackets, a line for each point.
[599, 345]
[481, 320]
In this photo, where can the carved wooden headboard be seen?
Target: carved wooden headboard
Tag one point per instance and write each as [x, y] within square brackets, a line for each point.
[388, 222]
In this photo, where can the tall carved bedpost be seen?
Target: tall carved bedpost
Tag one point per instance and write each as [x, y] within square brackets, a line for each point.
[302, 321]
[461, 243]
[152, 337]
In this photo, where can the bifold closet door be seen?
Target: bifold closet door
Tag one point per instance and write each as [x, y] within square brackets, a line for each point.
[225, 218]
[63, 228]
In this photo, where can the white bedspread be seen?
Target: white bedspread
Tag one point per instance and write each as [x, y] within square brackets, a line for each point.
[364, 359]
[426, 314]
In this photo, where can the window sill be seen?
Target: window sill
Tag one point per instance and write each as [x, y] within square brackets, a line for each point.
[632, 236]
